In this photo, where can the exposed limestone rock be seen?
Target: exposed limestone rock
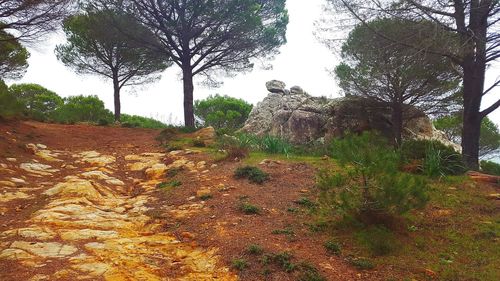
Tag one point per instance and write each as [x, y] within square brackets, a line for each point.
[301, 118]
[45, 249]
[86, 234]
[35, 232]
[9, 196]
[100, 175]
[104, 229]
[38, 169]
[95, 158]
[275, 86]
[157, 171]
[206, 134]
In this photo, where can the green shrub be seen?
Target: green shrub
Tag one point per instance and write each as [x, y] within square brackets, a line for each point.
[225, 114]
[172, 183]
[249, 209]
[103, 122]
[369, 183]
[82, 109]
[307, 272]
[253, 174]
[39, 103]
[255, 249]
[362, 263]
[135, 121]
[198, 143]
[10, 106]
[332, 247]
[306, 202]
[436, 158]
[275, 145]
[490, 167]
[239, 264]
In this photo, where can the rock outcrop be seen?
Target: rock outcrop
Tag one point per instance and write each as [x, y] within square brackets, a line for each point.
[301, 118]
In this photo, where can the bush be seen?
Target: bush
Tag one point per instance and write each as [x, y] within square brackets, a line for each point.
[249, 209]
[490, 167]
[255, 249]
[435, 158]
[275, 145]
[369, 184]
[39, 103]
[253, 174]
[134, 121]
[82, 109]
[333, 247]
[239, 264]
[9, 104]
[225, 114]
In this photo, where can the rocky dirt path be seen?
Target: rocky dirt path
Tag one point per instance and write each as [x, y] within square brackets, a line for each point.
[82, 215]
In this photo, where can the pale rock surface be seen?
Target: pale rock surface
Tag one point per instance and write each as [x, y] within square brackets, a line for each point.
[301, 118]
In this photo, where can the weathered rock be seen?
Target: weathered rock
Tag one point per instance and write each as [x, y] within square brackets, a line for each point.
[38, 169]
[157, 171]
[275, 86]
[45, 249]
[96, 159]
[296, 90]
[206, 134]
[301, 118]
[10, 196]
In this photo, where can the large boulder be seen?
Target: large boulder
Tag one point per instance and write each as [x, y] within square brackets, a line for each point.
[300, 118]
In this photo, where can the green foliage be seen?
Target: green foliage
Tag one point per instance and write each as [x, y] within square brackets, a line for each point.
[435, 158]
[255, 249]
[307, 272]
[333, 247]
[134, 121]
[362, 263]
[39, 103]
[95, 45]
[490, 167]
[13, 57]
[239, 264]
[306, 202]
[247, 142]
[198, 143]
[369, 183]
[253, 174]
[249, 209]
[376, 68]
[274, 145]
[82, 109]
[224, 113]
[9, 104]
[489, 140]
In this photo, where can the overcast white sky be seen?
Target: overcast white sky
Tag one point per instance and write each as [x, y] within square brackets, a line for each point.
[303, 61]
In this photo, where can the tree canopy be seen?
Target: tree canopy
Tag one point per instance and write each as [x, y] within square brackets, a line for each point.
[222, 112]
[489, 141]
[204, 37]
[29, 20]
[13, 57]
[391, 74]
[95, 46]
[475, 45]
[39, 103]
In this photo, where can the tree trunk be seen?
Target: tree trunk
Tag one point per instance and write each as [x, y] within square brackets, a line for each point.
[397, 124]
[116, 87]
[187, 78]
[474, 74]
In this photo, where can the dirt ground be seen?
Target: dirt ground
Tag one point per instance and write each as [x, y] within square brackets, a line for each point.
[200, 213]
